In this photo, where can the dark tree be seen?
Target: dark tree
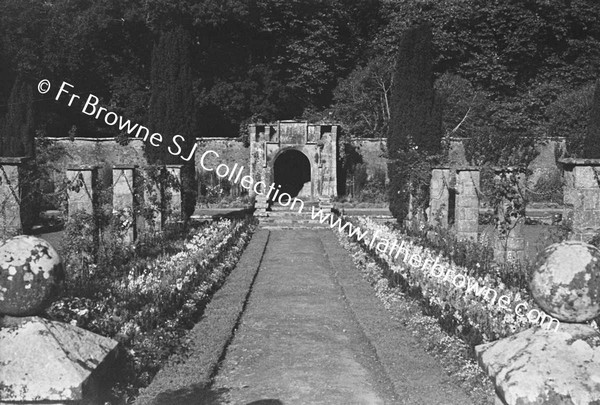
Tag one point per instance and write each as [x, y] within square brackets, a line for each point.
[416, 118]
[17, 132]
[415, 129]
[591, 148]
[172, 110]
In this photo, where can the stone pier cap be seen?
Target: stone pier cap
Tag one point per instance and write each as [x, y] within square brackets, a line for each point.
[14, 160]
[579, 162]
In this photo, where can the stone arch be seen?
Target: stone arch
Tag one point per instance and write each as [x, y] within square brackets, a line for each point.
[316, 142]
[292, 171]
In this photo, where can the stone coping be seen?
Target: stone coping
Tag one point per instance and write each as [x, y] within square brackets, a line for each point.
[509, 168]
[275, 123]
[123, 167]
[83, 167]
[14, 160]
[198, 139]
[579, 162]
[458, 168]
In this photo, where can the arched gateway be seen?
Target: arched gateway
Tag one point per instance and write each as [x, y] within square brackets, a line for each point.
[298, 156]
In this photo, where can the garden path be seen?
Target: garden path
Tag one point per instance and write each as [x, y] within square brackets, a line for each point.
[314, 333]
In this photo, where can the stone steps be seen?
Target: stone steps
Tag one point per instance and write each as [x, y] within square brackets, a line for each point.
[281, 217]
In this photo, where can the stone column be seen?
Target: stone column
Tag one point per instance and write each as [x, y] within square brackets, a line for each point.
[81, 192]
[328, 164]
[582, 196]
[10, 196]
[439, 197]
[124, 203]
[174, 189]
[467, 203]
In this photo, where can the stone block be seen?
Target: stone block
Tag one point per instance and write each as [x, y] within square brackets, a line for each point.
[586, 177]
[45, 361]
[539, 366]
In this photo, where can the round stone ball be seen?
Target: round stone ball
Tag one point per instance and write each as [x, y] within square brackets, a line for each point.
[30, 273]
[566, 281]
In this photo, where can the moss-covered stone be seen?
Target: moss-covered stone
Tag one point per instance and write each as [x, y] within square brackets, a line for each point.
[30, 269]
[566, 281]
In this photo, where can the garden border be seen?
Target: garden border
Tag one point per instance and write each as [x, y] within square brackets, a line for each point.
[182, 381]
[412, 380]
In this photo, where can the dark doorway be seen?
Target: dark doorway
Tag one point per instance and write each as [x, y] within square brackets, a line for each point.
[292, 171]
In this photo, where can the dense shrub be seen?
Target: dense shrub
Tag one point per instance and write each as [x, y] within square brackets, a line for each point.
[569, 118]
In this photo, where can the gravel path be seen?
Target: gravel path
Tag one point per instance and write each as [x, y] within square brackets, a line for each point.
[313, 333]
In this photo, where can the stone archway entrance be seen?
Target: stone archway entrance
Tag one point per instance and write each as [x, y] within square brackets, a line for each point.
[299, 156]
[291, 170]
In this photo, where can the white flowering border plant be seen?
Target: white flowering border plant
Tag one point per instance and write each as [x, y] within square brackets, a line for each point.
[474, 318]
[158, 299]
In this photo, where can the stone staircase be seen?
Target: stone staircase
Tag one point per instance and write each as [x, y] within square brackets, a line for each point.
[281, 217]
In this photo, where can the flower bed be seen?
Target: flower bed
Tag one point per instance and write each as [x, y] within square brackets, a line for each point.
[155, 300]
[454, 354]
[474, 319]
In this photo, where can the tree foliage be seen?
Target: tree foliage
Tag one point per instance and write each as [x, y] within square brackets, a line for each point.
[171, 110]
[415, 125]
[277, 59]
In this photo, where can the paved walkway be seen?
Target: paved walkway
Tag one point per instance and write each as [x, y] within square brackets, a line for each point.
[313, 333]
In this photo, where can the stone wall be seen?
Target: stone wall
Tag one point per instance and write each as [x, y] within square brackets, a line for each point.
[107, 152]
[98, 151]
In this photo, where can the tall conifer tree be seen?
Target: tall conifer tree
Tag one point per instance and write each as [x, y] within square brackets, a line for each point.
[172, 108]
[415, 126]
[172, 101]
[17, 131]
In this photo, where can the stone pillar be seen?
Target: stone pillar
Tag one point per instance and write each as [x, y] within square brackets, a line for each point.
[328, 163]
[174, 189]
[439, 197]
[124, 203]
[467, 203]
[582, 196]
[10, 196]
[81, 192]
[45, 361]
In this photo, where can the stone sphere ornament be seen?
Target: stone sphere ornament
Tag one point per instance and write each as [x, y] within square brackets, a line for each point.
[566, 281]
[30, 272]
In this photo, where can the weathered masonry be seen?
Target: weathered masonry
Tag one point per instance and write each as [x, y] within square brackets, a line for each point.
[299, 156]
